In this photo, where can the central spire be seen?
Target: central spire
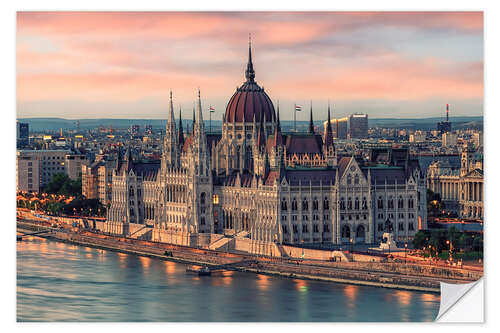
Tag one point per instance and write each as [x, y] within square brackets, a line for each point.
[250, 73]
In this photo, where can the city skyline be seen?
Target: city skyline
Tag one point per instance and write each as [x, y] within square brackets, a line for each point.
[399, 65]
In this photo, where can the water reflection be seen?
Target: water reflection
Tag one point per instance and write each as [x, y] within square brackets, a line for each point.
[403, 296]
[62, 284]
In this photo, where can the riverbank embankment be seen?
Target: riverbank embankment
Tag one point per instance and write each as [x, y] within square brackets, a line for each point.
[398, 276]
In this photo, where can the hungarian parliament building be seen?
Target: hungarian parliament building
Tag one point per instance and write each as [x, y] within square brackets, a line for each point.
[256, 185]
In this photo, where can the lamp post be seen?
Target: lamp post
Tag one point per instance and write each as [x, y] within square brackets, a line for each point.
[450, 250]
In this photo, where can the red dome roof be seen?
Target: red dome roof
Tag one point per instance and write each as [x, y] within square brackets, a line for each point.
[250, 101]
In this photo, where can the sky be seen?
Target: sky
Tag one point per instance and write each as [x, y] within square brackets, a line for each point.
[80, 65]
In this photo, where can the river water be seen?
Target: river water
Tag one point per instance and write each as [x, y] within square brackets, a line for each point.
[64, 282]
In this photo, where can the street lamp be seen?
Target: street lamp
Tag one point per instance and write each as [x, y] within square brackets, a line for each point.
[351, 240]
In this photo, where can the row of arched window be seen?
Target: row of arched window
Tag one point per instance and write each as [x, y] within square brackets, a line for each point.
[390, 202]
[305, 204]
[364, 204]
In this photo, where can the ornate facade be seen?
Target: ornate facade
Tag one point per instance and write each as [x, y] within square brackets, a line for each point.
[255, 182]
[461, 189]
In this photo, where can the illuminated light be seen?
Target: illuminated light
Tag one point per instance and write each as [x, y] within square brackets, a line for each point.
[404, 297]
[351, 291]
[300, 285]
[170, 267]
[145, 261]
[430, 298]
[215, 199]
[263, 282]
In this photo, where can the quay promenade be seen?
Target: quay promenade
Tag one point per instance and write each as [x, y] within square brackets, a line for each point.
[390, 275]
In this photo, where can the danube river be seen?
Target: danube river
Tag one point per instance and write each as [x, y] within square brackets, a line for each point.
[64, 282]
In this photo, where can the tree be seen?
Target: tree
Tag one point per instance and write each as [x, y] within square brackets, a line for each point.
[420, 240]
[62, 184]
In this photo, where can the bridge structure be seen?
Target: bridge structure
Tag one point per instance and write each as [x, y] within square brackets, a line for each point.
[20, 237]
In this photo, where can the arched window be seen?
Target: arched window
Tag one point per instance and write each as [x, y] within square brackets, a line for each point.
[315, 204]
[360, 231]
[410, 202]
[356, 203]
[346, 232]
[131, 191]
[305, 204]
[401, 202]
[202, 198]
[365, 205]
[380, 203]
[342, 203]
[349, 203]
[294, 204]
[326, 204]
[349, 180]
[390, 203]
[356, 179]
[284, 205]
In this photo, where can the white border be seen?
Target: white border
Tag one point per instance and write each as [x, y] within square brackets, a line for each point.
[492, 109]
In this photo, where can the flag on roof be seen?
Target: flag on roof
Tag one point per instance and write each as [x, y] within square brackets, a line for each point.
[298, 108]
[212, 109]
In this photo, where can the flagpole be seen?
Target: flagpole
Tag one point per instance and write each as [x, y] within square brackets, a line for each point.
[210, 118]
[295, 117]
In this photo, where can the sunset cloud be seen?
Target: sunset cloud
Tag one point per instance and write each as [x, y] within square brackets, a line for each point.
[123, 58]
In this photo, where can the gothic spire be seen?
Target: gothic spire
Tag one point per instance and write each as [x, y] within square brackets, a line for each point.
[278, 138]
[200, 115]
[171, 116]
[194, 118]
[181, 130]
[250, 73]
[329, 134]
[311, 123]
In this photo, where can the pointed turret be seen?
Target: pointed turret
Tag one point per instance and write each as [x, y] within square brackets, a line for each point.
[194, 118]
[311, 123]
[128, 159]
[118, 159]
[170, 141]
[278, 137]
[250, 73]
[181, 130]
[329, 133]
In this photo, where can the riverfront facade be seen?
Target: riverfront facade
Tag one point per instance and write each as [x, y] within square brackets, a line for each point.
[256, 183]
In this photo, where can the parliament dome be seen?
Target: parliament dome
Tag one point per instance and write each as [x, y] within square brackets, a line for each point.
[250, 101]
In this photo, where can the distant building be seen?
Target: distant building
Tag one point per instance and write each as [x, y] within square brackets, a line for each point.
[417, 136]
[134, 129]
[22, 134]
[35, 168]
[97, 180]
[148, 129]
[444, 126]
[461, 189]
[358, 126]
[449, 139]
[73, 165]
[353, 127]
[477, 138]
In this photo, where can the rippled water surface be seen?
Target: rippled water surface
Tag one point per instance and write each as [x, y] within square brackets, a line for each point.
[64, 282]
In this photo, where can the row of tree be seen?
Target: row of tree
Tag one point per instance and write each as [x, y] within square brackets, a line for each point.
[63, 196]
[438, 240]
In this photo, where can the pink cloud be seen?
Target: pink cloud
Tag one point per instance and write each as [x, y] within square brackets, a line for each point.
[124, 56]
